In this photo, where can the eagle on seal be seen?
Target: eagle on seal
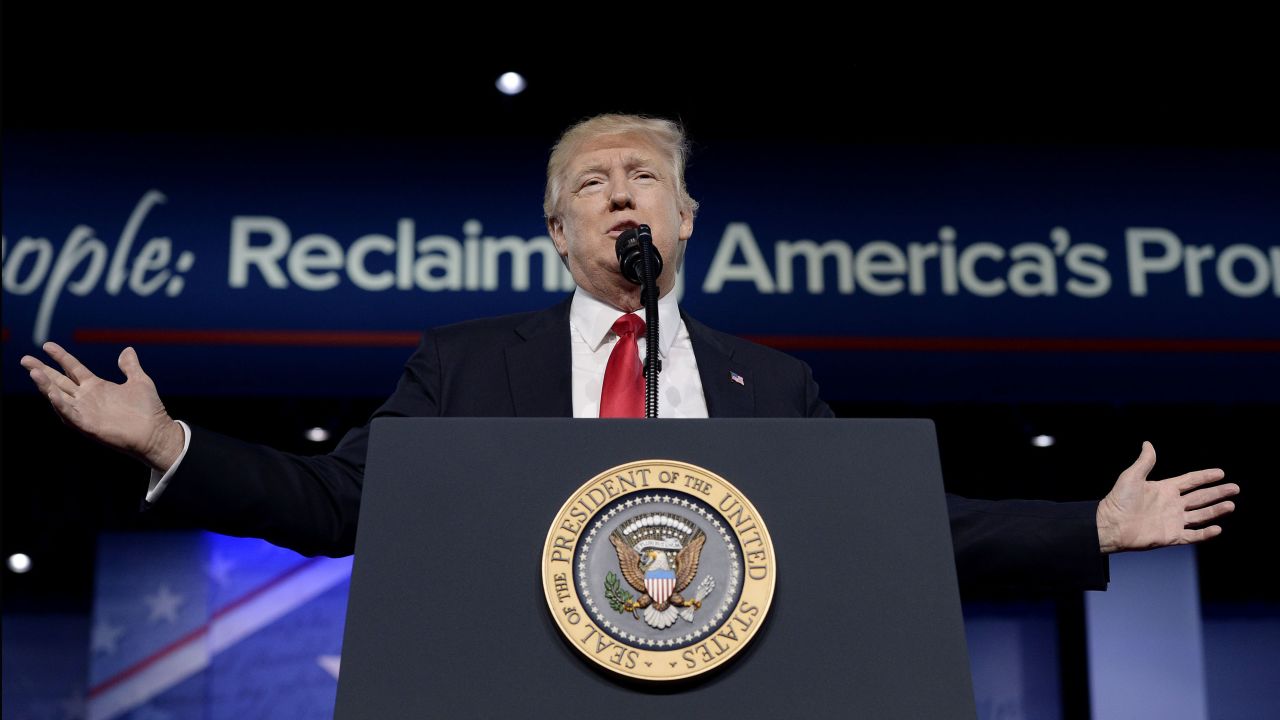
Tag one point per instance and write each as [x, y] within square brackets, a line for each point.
[659, 584]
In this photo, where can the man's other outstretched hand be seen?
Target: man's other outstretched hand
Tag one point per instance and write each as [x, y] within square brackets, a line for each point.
[1141, 514]
[128, 417]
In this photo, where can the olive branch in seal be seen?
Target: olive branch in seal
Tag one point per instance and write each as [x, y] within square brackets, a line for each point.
[614, 593]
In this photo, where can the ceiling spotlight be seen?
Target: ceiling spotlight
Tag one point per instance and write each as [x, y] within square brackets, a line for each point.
[19, 563]
[511, 83]
[317, 434]
[1043, 441]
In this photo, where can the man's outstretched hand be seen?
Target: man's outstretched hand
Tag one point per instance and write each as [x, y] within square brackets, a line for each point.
[1141, 514]
[128, 417]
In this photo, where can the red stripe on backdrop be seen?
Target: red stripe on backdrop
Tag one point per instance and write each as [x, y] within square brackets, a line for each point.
[301, 338]
[399, 338]
[943, 344]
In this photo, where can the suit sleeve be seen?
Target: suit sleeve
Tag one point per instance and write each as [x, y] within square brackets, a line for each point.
[1027, 544]
[306, 503]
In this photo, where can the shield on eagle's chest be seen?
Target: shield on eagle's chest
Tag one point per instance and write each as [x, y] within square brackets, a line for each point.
[659, 583]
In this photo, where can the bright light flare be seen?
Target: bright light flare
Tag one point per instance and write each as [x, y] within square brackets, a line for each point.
[511, 83]
[19, 562]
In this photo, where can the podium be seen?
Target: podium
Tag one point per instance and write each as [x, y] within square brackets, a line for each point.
[447, 616]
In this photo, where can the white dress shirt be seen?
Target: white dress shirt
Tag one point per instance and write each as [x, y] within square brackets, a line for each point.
[590, 327]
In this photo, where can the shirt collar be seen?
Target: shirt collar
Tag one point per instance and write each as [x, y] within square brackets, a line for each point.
[593, 320]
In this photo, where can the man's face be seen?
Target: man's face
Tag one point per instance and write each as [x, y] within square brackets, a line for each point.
[614, 182]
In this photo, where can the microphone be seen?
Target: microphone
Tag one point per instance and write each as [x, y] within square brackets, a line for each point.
[640, 263]
[631, 257]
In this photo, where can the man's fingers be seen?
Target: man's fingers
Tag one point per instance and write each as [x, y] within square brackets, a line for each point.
[1210, 495]
[37, 371]
[1204, 515]
[46, 378]
[53, 378]
[1195, 536]
[1199, 477]
[43, 384]
[70, 365]
[36, 368]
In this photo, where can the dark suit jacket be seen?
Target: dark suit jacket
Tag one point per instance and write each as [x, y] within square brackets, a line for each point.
[519, 366]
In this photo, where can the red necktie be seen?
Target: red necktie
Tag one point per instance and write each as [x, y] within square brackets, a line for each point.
[622, 394]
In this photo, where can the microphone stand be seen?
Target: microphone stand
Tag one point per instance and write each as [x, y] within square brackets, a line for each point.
[649, 296]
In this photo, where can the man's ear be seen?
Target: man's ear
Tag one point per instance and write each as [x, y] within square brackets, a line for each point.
[682, 236]
[555, 228]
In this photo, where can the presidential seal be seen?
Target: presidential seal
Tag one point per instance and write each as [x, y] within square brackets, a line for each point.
[658, 570]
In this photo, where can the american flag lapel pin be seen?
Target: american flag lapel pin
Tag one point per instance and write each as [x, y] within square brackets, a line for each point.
[737, 378]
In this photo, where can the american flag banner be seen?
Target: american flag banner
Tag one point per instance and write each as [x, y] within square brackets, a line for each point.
[209, 627]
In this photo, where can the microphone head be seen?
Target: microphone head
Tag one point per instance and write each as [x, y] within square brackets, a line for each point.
[627, 239]
[631, 256]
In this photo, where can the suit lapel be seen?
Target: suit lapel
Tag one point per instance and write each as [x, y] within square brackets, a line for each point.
[725, 396]
[540, 368]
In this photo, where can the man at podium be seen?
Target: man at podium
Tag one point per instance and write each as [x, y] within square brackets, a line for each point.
[606, 176]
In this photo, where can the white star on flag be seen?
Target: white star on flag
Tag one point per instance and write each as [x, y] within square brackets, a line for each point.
[105, 637]
[164, 605]
[219, 569]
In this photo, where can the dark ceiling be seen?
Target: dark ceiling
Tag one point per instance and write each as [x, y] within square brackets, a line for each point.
[279, 71]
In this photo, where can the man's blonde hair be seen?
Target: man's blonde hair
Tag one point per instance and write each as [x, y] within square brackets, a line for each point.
[666, 135]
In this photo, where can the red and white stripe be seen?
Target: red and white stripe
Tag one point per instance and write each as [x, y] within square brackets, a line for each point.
[191, 653]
